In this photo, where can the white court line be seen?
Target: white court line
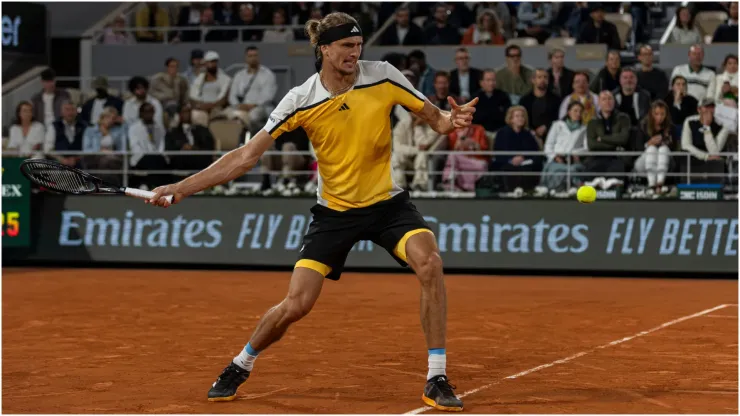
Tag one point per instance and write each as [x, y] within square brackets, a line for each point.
[580, 354]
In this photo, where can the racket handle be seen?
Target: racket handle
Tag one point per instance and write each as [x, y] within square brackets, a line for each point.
[138, 193]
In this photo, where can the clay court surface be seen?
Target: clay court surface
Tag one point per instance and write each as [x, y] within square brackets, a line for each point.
[153, 341]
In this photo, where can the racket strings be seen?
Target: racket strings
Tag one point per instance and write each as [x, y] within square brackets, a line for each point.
[59, 180]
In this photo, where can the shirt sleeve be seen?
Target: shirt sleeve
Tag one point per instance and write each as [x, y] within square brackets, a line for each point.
[284, 118]
[403, 92]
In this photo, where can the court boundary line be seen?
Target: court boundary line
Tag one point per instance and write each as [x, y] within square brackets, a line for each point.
[580, 354]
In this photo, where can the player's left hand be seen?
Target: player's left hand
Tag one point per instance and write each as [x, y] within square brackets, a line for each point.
[462, 115]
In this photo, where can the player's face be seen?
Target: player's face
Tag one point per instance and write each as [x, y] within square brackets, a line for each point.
[344, 53]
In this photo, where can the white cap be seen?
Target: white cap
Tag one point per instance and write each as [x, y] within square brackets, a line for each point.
[211, 56]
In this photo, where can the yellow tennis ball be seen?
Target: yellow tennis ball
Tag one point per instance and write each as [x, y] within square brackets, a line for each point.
[586, 194]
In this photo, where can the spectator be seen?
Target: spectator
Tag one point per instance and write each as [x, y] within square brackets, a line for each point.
[462, 171]
[608, 132]
[139, 87]
[608, 77]
[412, 137]
[424, 72]
[442, 91]
[170, 88]
[725, 84]
[560, 78]
[105, 137]
[492, 105]
[503, 13]
[439, 31]
[116, 33]
[26, 134]
[209, 91]
[679, 102]
[727, 32]
[581, 94]
[542, 106]
[247, 16]
[252, 92]
[189, 15]
[93, 108]
[705, 139]
[512, 138]
[47, 104]
[151, 16]
[207, 30]
[534, 20]
[146, 141]
[699, 77]
[460, 15]
[576, 18]
[196, 66]
[189, 137]
[398, 60]
[649, 78]
[565, 140]
[464, 81]
[657, 137]
[598, 30]
[225, 15]
[403, 31]
[287, 164]
[631, 100]
[685, 32]
[279, 34]
[486, 31]
[515, 79]
[65, 134]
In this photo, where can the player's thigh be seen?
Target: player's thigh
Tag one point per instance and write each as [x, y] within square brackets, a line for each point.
[422, 253]
[399, 225]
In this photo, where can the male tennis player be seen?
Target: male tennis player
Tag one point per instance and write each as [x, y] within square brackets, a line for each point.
[345, 109]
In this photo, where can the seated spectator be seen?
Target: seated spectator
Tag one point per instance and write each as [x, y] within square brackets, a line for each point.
[252, 92]
[47, 103]
[565, 140]
[439, 31]
[226, 15]
[608, 132]
[503, 13]
[598, 30]
[462, 171]
[560, 78]
[631, 100]
[516, 137]
[412, 137]
[542, 106]
[280, 34]
[189, 15]
[65, 135]
[725, 84]
[115, 33]
[460, 15]
[424, 72]
[685, 32]
[486, 31]
[464, 80]
[196, 66]
[492, 105]
[681, 104]
[139, 87]
[534, 20]
[727, 32]
[698, 77]
[189, 137]
[209, 91]
[247, 15]
[657, 137]
[26, 134]
[441, 91]
[287, 164]
[93, 108]
[105, 137]
[146, 141]
[515, 79]
[649, 78]
[705, 139]
[170, 88]
[575, 20]
[581, 94]
[403, 31]
[208, 31]
[149, 17]
[608, 77]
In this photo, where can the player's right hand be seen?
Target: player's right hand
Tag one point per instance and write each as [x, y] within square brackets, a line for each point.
[162, 191]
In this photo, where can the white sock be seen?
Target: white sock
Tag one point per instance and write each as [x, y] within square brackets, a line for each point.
[244, 359]
[437, 364]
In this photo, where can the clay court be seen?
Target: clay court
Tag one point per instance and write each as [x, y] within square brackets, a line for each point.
[153, 341]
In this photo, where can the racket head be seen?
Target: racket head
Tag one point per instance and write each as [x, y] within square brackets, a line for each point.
[58, 177]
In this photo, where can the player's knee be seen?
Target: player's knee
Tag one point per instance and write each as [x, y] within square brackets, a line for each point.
[429, 268]
[296, 308]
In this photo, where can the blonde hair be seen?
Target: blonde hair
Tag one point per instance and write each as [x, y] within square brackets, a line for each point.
[510, 115]
[314, 28]
[495, 25]
[108, 112]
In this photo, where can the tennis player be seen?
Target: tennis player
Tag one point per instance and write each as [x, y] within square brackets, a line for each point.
[345, 110]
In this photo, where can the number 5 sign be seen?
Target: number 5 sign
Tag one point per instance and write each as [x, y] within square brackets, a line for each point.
[16, 208]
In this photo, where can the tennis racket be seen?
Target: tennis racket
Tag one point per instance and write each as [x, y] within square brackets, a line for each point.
[57, 177]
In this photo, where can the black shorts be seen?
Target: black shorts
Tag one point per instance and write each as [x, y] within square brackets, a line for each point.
[332, 234]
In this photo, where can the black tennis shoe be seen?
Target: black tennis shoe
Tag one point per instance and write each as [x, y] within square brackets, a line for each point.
[440, 394]
[224, 389]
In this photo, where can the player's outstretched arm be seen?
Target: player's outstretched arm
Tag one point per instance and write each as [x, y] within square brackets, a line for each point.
[443, 122]
[227, 168]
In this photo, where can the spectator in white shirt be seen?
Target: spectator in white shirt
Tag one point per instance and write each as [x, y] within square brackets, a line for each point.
[699, 77]
[47, 104]
[146, 139]
[566, 138]
[26, 134]
[280, 34]
[252, 91]
[705, 139]
[139, 87]
[208, 93]
[725, 84]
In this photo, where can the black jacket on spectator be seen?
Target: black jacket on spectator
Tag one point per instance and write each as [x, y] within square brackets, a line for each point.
[474, 77]
[61, 143]
[689, 107]
[551, 110]
[415, 36]
[725, 34]
[509, 140]
[566, 82]
[604, 81]
[448, 35]
[640, 101]
[202, 140]
[655, 82]
[609, 135]
[490, 112]
[87, 108]
[606, 34]
[253, 35]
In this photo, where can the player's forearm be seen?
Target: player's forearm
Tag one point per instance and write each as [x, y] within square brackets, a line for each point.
[442, 122]
[227, 168]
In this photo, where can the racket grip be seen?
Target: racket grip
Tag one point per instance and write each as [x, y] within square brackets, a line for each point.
[138, 193]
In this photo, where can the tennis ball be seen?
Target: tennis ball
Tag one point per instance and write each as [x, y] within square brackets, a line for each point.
[586, 194]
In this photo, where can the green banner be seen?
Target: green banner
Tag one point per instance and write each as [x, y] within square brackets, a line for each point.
[16, 215]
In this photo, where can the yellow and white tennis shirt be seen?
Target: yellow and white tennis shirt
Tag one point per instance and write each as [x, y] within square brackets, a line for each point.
[350, 133]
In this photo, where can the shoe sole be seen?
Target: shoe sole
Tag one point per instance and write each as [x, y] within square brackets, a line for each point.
[434, 404]
[226, 398]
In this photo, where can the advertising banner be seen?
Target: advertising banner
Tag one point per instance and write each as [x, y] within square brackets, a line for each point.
[629, 236]
[16, 212]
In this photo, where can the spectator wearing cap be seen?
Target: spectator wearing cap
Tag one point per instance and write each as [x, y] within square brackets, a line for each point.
[598, 30]
[93, 108]
[727, 32]
[492, 104]
[631, 100]
[148, 17]
[439, 31]
[534, 20]
[196, 66]
[685, 32]
[170, 88]
[65, 134]
[700, 79]
[705, 139]
[680, 104]
[581, 94]
[515, 79]
[542, 106]
[403, 31]
[608, 132]
[608, 77]
[424, 72]
[486, 30]
[560, 78]
[139, 87]
[209, 92]
[47, 104]
[115, 33]
[252, 93]
[649, 78]
[725, 84]
[464, 80]
[146, 141]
